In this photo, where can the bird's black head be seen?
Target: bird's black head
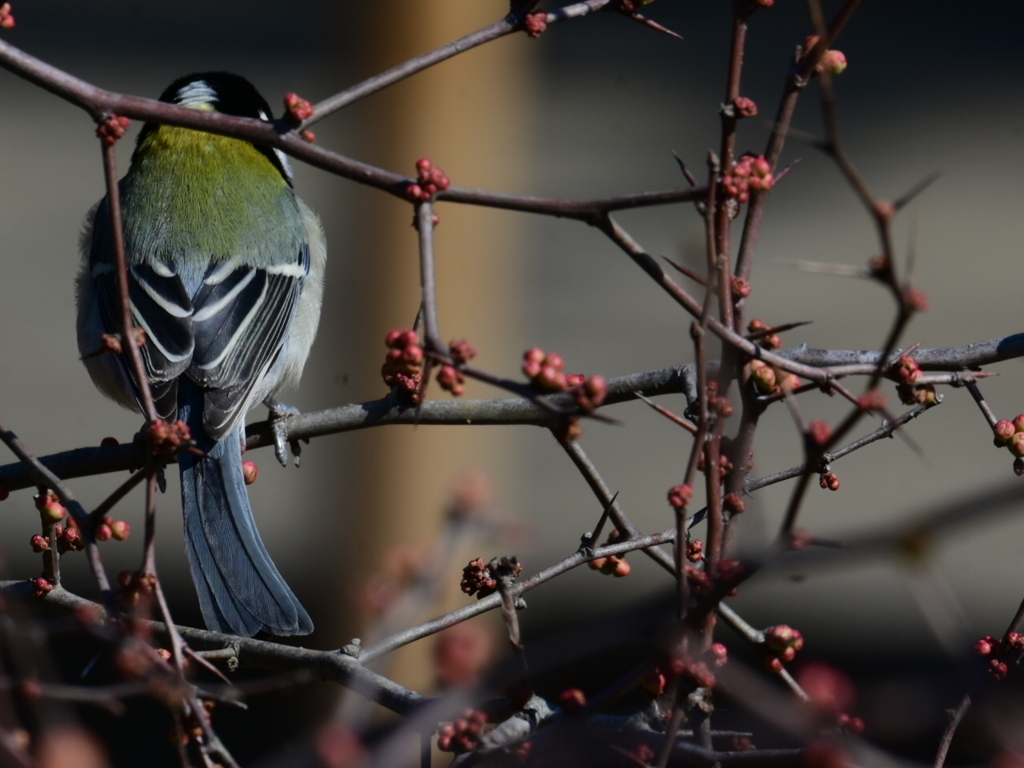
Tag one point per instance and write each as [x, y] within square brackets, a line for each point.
[228, 94]
[225, 92]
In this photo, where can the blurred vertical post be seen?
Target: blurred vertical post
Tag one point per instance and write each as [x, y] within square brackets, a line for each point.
[472, 117]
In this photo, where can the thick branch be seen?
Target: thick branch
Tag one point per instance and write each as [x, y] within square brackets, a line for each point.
[82, 462]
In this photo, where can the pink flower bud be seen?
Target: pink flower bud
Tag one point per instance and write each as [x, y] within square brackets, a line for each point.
[1004, 430]
[120, 530]
[554, 360]
[250, 472]
[820, 432]
[744, 107]
[833, 63]
[572, 700]
[680, 495]
[764, 378]
[654, 684]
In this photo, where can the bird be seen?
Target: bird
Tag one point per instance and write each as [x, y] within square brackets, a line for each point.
[225, 271]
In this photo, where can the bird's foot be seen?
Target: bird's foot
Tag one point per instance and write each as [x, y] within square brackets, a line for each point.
[278, 418]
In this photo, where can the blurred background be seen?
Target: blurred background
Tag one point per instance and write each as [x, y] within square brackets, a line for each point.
[593, 108]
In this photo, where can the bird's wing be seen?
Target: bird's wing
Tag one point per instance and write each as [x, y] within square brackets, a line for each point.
[240, 323]
[162, 308]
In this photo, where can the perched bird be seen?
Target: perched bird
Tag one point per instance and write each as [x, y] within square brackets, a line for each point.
[226, 272]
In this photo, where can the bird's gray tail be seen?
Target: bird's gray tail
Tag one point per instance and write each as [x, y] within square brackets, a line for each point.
[240, 589]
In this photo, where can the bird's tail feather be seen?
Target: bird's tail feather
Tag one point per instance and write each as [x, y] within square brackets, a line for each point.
[240, 590]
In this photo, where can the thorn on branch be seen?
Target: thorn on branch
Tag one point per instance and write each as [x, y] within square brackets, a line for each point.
[629, 8]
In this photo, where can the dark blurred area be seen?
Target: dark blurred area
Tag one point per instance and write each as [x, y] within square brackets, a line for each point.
[593, 108]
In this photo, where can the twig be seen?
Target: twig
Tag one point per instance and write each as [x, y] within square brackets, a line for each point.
[128, 338]
[44, 477]
[492, 601]
[608, 500]
[885, 430]
[956, 716]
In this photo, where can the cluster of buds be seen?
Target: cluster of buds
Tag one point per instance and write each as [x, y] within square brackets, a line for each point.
[613, 565]
[481, 578]
[69, 537]
[572, 699]
[991, 646]
[679, 496]
[850, 724]
[740, 287]
[831, 693]
[449, 377]
[734, 504]
[768, 381]
[907, 370]
[682, 669]
[744, 107]
[568, 430]
[719, 655]
[42, 586]
[782, 643]
[832, 62]
[724, 465]
[829, 481]
[762, 332]
[297, 108]
[111, 343]
[403, 365]
[695, 550]
[463, 734]
[718, 404]
[922, 394]
[546, 371]
[135, 587]
[699, 581]
[819, 432]
[112, 128]
[535, 23]
[477, 579]
[872, 400]
[168, 437]
[6, 19]
[50, 508]
[915, 299]
[1011, 435]
[728, 572]
[752, 172]
[429, 181]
